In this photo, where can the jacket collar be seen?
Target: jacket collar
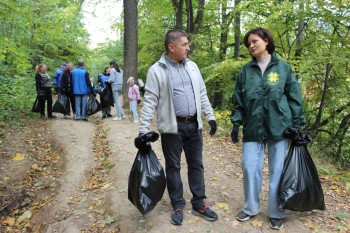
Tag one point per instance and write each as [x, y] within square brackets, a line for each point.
[274, 59]
[165, 60]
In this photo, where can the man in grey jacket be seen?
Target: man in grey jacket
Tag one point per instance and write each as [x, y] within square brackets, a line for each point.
[175, 90]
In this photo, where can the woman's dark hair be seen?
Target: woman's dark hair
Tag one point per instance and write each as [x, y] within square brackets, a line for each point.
[172, 36]
[263, 34]
[115, 66]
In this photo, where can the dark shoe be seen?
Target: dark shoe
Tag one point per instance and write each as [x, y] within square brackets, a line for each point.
[77, 119]
[104, 117]
[276, 223]
[51, 116]
[109, 115]
[177, 217]
[206, 213]
[241, 216]
[85, 119]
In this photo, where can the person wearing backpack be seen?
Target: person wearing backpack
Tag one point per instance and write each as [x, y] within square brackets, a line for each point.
[134, 98]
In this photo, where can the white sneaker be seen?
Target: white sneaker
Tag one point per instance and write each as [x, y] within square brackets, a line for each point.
[123, 117]
[117, 118]
[136, 121]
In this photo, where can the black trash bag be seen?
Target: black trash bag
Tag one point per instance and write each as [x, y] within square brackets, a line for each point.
[93, 106]
[62, 105]
[300, 185]
[36, 105]
[147, 180]
[106, 97]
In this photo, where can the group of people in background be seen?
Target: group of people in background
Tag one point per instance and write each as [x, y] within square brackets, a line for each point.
[77, 86]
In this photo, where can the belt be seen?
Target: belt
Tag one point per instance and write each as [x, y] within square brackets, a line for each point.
[187, 119]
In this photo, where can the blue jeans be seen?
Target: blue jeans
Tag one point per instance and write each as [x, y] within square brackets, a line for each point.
[189, 139]
[80, 106]
[133, 109]
[116, 93]
[252, 166]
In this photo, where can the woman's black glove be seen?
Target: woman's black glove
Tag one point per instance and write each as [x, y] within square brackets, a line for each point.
[138, 101]
[234, 134]
[213, 127]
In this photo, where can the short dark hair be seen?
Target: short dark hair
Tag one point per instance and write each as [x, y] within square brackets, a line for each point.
[80, 62]
[263, 34]
[172, 36]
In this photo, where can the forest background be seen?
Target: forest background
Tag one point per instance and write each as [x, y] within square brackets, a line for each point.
[311, 35]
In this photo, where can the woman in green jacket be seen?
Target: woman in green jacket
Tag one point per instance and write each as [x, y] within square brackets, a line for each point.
[267, 100]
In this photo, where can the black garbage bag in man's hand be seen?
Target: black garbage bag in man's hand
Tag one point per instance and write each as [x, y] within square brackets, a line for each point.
[93, 106]
[300, 186]
[147, 179]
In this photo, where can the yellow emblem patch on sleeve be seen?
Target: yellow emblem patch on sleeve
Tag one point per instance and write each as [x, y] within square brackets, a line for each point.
[273, 78]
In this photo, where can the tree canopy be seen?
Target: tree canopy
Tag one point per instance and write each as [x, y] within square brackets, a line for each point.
[312, 36]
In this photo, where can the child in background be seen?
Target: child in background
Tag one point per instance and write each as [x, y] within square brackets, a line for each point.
[134, 98]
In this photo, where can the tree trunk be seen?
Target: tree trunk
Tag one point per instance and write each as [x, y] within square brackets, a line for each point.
[178, 7]
[223, 30]
[340, 135]
[130, 42]
[316, 125]
[237, 27]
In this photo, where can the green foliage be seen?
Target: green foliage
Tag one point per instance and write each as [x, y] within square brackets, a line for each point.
[34, 32]
[103, 55]
[15, 96]
[219, 78]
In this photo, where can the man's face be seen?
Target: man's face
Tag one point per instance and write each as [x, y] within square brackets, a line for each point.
[179, 50]
[70, 66]
[64, 68]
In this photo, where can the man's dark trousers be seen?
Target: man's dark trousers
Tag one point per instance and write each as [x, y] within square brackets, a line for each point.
[190, 140]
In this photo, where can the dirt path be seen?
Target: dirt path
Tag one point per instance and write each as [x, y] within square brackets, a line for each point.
[104, 206]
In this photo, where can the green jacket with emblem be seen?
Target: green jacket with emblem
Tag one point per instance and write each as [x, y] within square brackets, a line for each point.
[267, 105]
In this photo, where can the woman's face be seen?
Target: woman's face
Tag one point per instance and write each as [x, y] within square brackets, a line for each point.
[108, 70]
[43, 68]
[257, 46]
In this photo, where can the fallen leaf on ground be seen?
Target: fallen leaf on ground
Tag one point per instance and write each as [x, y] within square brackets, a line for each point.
[18, 157]
[257, 223]
[9, 221]
[109, 219]
[25, 216]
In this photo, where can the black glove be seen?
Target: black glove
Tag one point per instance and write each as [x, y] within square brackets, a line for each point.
[234, 133]
[142, 145]
[143, 141]
[138, 101]
[212, 124]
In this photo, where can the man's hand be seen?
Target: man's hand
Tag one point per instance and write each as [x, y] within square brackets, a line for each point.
[142, 145]
[234, 134]
[143, 141]
[213, 127]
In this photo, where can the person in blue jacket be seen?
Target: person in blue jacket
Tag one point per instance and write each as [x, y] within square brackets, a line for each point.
[101, 80]
[81, 89]
[57, 77]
